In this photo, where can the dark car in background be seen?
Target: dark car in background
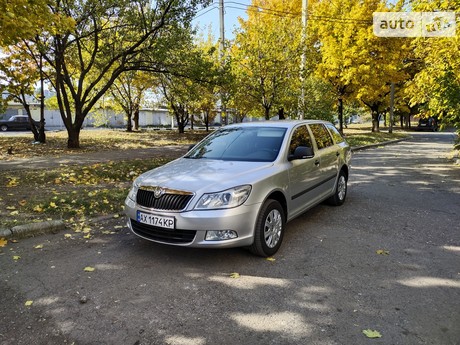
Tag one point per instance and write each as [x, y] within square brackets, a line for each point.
[427, 124]
[16, 122]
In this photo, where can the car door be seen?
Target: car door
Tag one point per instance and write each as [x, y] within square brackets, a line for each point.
[328, 155]
[304, 174]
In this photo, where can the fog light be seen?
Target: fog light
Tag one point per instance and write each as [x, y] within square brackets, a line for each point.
[220, 235]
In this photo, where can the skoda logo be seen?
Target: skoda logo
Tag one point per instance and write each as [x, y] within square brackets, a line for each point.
[158, 192]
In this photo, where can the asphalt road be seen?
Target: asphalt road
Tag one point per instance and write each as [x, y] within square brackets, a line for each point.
[388, 260]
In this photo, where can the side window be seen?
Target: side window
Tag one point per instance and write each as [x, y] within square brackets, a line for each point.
[322, 136]
[300, 137]
[335, 134]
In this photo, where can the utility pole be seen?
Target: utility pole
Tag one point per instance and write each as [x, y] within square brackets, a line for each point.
[223, 110]
[303, 59]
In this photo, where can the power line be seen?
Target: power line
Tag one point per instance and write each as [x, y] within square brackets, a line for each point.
[280, 13]
[209, 9]
[263, 9]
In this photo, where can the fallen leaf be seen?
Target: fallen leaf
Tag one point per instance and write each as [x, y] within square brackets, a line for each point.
[52, 204]
[68, 236]
[10, 208]
[38, 208]
[14, 213]
[371, 333]
[16, 257]
[3, 242]
[270, 259]
[87, 236]
[382, 252]
[12, 183]
[23, 202]
[39, 246]
[234, 275]
[89, 269]
[28, 303]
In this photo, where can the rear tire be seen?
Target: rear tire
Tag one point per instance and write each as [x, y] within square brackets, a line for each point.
[269, 230]
[340, 192]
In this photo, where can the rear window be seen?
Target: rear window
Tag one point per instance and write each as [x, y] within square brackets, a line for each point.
[335, 134]
[322, 136]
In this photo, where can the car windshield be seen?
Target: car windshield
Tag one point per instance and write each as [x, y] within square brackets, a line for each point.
[251, 144]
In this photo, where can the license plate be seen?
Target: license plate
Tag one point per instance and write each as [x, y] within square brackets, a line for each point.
[155, 220]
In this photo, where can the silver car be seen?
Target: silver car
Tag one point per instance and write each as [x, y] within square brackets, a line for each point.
[240, 186]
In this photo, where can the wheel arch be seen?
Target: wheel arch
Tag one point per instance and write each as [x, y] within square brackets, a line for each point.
[345, 169]
[280, 197]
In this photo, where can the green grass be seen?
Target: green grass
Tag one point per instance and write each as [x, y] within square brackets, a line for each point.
[68, 192]
[360, 139]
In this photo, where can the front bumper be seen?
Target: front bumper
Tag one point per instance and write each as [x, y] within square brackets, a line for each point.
[191, 226]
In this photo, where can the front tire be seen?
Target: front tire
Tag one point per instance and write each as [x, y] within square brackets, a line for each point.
[3, 128]
[269, 230]
[340, 192]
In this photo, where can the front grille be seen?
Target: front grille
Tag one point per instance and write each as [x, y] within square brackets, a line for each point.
[167, 201]
[162, 235]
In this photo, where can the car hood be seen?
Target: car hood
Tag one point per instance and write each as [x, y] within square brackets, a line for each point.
[203, 175]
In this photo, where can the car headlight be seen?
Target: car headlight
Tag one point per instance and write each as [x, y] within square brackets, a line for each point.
[133, 191]
[229, 198]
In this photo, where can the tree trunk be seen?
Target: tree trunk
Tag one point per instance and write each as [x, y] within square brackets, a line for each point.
[31, 123]
[281, 114]
[41, 132]
[136, 119]
[73, 141]
[375, 119]
[340, 111]
[41, 129]
[181, 127]
[267, 113]
[206, 119]
[129, 123]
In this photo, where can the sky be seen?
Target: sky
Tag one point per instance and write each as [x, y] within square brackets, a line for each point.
[210, 16]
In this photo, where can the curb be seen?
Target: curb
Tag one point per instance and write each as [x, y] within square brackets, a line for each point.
[47, 227]
[33, 229]
[371, 146]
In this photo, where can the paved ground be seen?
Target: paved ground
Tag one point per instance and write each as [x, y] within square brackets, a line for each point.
[387, 260]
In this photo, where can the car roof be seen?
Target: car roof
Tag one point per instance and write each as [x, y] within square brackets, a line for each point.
[275, 123]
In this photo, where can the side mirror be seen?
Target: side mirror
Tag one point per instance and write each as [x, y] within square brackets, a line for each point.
[301, 152]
